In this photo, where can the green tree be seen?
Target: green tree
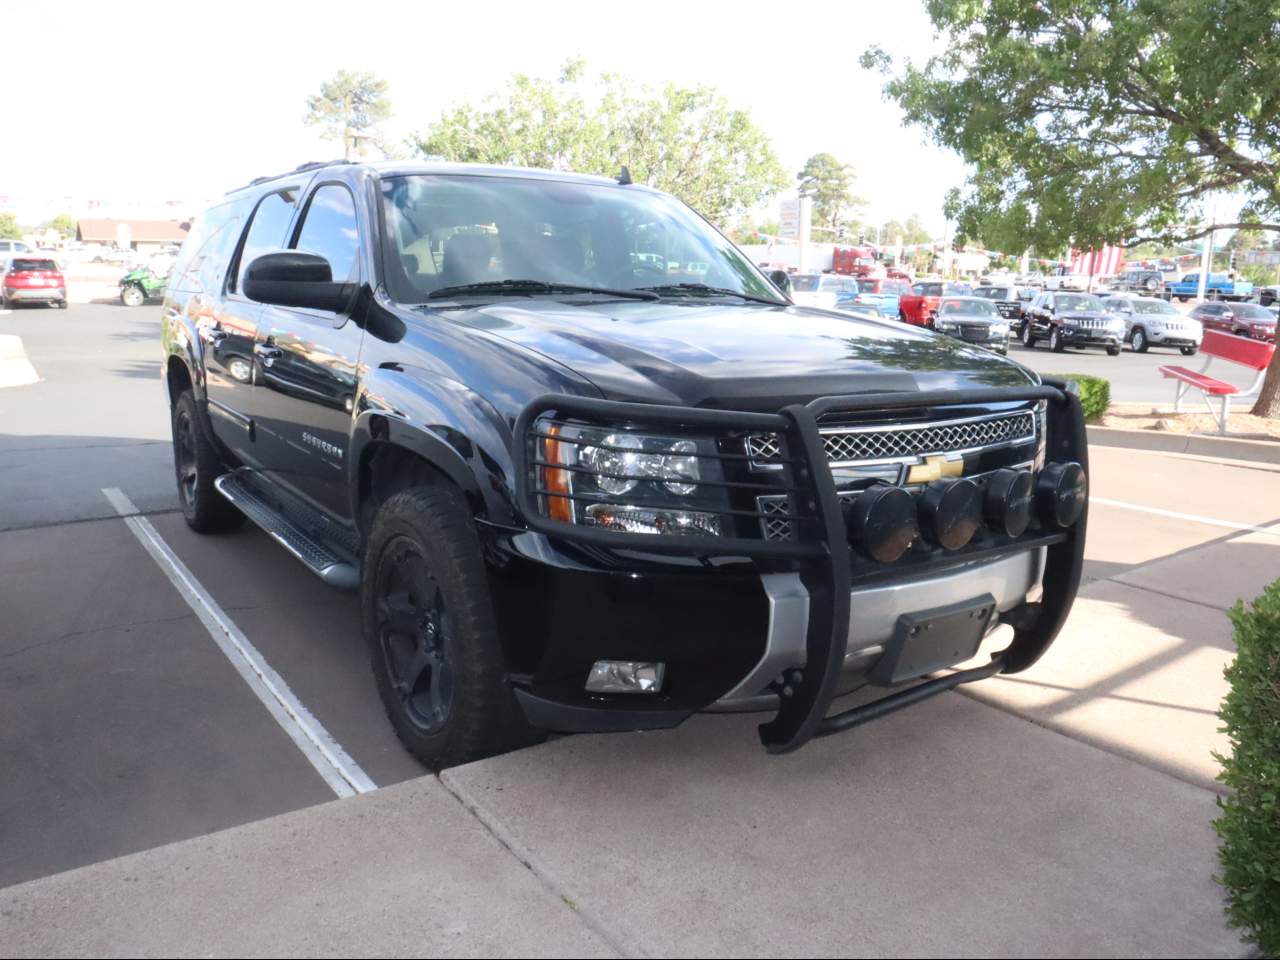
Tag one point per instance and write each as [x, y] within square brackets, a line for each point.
[348, 108]
[63, 224]
[687, 141]
[830, 184]
[911, 232]
[1102, 120]
[9, 229]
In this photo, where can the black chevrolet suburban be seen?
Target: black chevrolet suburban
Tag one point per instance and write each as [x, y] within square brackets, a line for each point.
[590, 470]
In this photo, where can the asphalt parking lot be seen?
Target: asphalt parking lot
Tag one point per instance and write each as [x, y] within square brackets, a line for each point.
[124, 726]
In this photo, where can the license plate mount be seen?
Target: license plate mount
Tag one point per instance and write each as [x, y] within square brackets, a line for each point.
[930, 640]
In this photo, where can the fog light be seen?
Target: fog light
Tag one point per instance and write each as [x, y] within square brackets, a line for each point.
[625, 676]
[881, 522]
[1006, 501]
[1060, 494]
[950, 512]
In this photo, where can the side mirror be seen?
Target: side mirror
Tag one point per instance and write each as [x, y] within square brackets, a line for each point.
[292, 278]
[782, 280]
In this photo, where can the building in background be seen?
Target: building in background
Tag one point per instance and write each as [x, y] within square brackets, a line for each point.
[145, 236]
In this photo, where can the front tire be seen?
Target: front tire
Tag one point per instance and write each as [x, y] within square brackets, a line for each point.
[196, 465]
[1113, 351]
[1055, 341]
[428, 622]
[1140, 342]
[1189, 351]
[1028, 337]
[131, 296]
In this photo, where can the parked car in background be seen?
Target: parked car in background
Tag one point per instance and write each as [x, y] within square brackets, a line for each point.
[29, 279]
[1241, 319]
[974, 320]
[1153, 322]
[1147, 282]
[9, 248]
[919, 306]
[1032, 278]
[1219, 286]
[1061, 278]
[883, 294]
[1007, 299]
[1072, 319]
[1266, 296]
[823, 290]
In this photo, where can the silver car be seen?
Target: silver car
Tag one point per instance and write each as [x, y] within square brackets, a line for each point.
[1151, 322]
[974, 320]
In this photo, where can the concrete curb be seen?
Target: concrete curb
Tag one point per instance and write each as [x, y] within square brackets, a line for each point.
[1197, 444]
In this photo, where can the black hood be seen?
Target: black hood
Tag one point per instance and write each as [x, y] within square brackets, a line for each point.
[746, 356]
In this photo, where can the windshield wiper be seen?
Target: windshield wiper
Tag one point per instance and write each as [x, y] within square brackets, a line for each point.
[518, 287]
[703, 290]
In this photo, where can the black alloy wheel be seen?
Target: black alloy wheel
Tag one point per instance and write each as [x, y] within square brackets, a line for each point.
[185, 465]
[414, 633]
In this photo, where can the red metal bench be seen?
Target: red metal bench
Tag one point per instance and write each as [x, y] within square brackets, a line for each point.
[1254, 354]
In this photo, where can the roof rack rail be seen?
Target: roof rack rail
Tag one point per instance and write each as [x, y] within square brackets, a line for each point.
[300, 168]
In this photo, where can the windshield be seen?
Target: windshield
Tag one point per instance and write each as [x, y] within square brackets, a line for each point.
[1250, 311]
[1152, 306]
[1067, 301]
[972, 308]
[453, 231]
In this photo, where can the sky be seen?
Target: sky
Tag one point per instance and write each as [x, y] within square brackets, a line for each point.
[147, 101]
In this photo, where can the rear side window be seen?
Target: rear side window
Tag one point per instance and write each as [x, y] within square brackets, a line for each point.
[202, 261]
[329, 228]
[25, 264]
[266, 231]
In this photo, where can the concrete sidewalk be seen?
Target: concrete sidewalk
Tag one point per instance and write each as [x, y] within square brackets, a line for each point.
[949, 829]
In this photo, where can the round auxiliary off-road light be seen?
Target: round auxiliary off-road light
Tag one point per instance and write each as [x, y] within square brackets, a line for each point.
[1006, 501]
[1060, 494]
[881, 521]
[950, 512]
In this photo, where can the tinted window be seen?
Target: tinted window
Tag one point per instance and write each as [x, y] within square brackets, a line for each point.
[1247, 311]
[266, 232]
[928, 289]
[25, 264]
[202, 261]
[330, 230]
[1072, 301]
[804, 282]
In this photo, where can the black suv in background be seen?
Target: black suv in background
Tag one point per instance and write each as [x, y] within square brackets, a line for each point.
[1072, 320]
[1149, 283]
[589, 470]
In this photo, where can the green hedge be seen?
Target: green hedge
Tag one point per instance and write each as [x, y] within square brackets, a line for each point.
[1095, 395]
[1249, 825]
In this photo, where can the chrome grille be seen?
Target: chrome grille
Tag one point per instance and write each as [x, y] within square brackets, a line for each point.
[1091, 323]
[846, 446]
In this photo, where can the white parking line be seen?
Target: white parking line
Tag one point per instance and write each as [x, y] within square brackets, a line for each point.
[15, 369]
[333, 763]
[1194, 518]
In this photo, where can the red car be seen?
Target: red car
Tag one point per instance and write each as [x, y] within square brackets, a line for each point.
[1241, 319]
[33, 280]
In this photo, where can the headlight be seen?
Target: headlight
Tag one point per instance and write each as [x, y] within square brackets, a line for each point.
[629, 482]
[946, 326]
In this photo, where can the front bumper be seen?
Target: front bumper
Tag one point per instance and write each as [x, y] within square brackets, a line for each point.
[1089, 337]
[810, 612]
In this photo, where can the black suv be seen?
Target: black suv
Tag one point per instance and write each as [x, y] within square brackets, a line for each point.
[1149, 283]
[1072, 320]
[590, 470]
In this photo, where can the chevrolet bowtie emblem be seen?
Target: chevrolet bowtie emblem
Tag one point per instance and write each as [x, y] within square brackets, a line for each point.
[935, 468]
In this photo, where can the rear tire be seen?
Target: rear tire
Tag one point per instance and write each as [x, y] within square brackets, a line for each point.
[1113, 351]
[427, 618]
[62, 304]
[131, 296]
[1189, 351]
[196, 465]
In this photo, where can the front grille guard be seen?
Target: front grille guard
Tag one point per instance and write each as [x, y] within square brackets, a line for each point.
[820, 548]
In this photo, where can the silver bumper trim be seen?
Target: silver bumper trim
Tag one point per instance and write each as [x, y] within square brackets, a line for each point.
[873, 616]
